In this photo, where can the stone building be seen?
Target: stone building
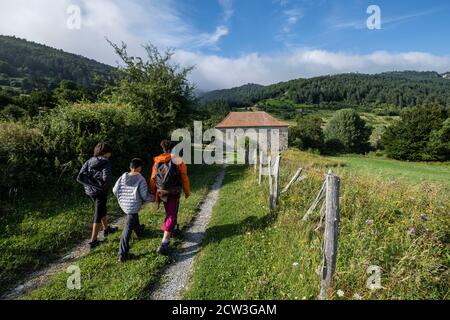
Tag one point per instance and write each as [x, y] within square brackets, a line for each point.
[260, 122]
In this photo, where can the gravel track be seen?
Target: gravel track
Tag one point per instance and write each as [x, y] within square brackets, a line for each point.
[175, 278]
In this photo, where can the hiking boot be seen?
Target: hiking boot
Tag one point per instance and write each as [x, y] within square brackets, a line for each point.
[163, 249]
[93, 244]
[140, 231]
[109, 230]
[176, 230]
[129, 256]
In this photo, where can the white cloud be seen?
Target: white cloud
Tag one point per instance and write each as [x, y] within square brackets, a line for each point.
[292, 17]
[228, 11]
[214, 72]
[209, 40]
[158, 22]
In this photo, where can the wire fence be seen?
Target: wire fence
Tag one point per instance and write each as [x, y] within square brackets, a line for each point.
[328, 195]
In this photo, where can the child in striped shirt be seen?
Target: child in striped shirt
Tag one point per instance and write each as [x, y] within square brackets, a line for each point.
[132, 193]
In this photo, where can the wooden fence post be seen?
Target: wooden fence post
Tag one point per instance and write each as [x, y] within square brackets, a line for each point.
[260, 167]
[276, 190]
[331, 233]
[270, 183]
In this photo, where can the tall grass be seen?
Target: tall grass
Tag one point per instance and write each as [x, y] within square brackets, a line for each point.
[253, 254]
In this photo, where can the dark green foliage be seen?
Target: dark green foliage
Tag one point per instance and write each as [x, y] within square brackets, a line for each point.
[68, 91]
[25, 105]
[422, 134]
[28, 65]
[71, 132]
[21, 155]
[348, 129]
[307, 134]
[399, 89]
[241, 96]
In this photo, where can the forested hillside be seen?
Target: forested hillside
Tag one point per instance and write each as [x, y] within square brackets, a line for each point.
[400, 89]
[25, 66]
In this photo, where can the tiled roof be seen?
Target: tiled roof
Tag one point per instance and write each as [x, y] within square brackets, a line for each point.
[250, 119]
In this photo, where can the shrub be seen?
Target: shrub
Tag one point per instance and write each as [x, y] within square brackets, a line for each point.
[347, 128]
[420, 135]
[72, 131]
[307, 134]
[21, 155]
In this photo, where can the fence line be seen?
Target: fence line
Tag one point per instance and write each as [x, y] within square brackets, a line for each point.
[329, 213]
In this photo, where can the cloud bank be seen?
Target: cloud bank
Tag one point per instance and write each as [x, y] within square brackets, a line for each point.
[157, 21]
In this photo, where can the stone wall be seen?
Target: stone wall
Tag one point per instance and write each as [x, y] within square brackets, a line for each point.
[283, 135]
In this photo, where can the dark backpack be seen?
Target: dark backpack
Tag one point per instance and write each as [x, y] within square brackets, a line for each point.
[167, 177]
[91, 176]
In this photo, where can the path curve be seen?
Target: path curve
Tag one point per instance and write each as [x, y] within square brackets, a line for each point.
[175, 278]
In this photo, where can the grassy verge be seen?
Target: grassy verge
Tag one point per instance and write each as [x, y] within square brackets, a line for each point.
[40, 227]
[102, 277]
[250, 253]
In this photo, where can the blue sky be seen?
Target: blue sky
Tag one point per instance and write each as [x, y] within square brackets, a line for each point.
[233, 42]
[264, 26]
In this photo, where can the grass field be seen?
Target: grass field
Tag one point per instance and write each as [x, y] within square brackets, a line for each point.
[413, 172]
[250, 253]
[42, 225]
[102, 277]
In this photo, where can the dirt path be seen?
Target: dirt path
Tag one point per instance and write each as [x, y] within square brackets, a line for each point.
[39, 278]
[175, 278]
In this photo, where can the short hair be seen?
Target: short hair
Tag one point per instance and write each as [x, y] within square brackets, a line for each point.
[136, 163]
[167, 145]
[102, 148]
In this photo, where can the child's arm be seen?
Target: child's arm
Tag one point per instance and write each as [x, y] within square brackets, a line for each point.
[152, 179]
[143, 190]
[185, 180]
[116, 187]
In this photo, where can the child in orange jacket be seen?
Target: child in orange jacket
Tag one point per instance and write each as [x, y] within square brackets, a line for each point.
[169, 176]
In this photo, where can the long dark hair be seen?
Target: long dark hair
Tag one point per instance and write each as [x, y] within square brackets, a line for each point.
[102, 148]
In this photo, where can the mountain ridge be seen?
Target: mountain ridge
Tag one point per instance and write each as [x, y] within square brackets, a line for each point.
[27, 65]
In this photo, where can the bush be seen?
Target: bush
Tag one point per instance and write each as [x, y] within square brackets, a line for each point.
[72, 131]
[347, 128]
[422, 134]
[307, 134]
[21, 155]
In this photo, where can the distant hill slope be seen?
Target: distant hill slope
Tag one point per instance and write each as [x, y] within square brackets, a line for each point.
[401, 89]
[26, 65]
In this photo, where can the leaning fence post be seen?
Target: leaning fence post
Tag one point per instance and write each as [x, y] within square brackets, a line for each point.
[294, 179]
[331, 233]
